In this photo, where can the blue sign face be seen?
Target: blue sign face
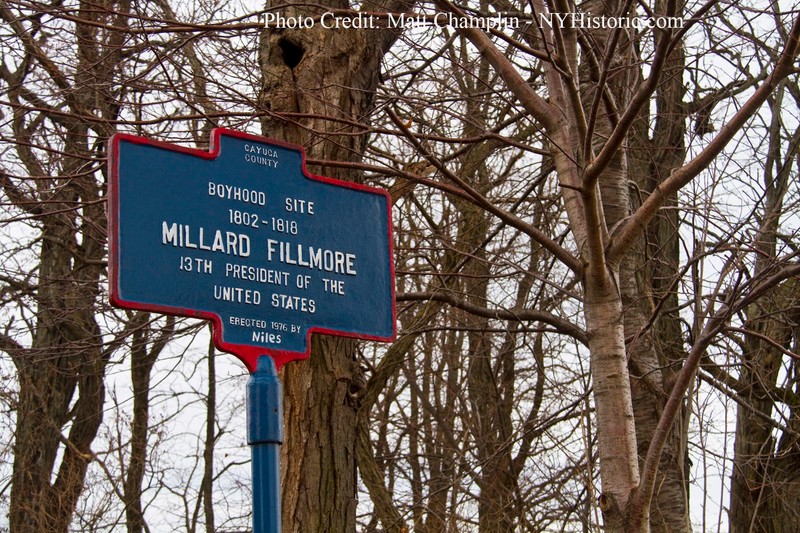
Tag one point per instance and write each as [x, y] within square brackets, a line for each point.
[243, 236]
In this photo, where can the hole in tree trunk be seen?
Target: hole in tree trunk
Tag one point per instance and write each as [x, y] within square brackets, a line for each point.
[292, 53]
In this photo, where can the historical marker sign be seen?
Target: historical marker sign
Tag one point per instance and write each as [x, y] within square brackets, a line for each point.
[244, 236]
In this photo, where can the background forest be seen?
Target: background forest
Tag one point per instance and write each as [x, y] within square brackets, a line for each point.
[597, 232]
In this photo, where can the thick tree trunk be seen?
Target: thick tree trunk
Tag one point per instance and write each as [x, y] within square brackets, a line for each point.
[61, 387]
[317, 86]
[648, 364]
[649, 271]
[765, 485]
[318, 456]
[616, 436]
[61, 374]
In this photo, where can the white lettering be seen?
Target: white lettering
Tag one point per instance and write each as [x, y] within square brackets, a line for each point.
[278, 21]
[294, 205]
[257, 274]
[169, 234]
[237, 294]
[334, 261]
[294, 303]
[396, 22]
[247, 322]
[182, 235]
[267, 338]
[239, 194]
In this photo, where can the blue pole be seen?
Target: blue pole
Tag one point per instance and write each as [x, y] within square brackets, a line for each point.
[265, 436]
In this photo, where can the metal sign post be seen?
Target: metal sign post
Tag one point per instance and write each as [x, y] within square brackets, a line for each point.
[243, 236]
[265, 436]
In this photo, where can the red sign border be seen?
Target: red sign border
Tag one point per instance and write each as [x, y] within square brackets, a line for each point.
[247, 354]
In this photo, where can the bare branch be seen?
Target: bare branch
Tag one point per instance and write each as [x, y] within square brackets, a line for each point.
[623, 239]
[517, 315]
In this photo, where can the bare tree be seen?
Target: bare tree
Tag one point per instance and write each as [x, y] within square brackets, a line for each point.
[764, 485]
[620, 167]
[572, 278]
[318, 91]
[69, 76]
[58, 352]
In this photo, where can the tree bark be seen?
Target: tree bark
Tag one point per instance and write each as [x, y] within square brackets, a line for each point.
[141, 364]
[311, 79]
[649, 365]
[764, 482]
[657, 146]
[61, 374]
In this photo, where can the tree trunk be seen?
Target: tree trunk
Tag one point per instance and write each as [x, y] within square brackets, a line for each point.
[61, 374]
[648, 362]
[318, 456]
[616, 437]
[61, 387]
[313, 78]
[657, 350]
[141, 366]
[764, 484]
